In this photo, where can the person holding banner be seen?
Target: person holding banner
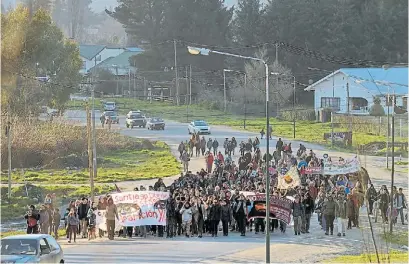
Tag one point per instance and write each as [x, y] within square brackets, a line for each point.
[111, 213]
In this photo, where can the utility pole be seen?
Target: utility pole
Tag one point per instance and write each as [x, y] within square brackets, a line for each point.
[144, 89]
[94, 156]
[186, 97]
[393, 164]
[8, 134]
[176, 74]
[224, 90]
[129, 80]
[388, 100]
[134, 85]
[190, 84]
[332, 109]
[349, 109]
[245, 99]
[89, 137]
[294, 107]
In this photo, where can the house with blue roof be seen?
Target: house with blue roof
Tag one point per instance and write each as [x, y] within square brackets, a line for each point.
[356, 88]
[119, 65]
[93, 55]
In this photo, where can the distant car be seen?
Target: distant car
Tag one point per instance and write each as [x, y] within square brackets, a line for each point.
[134, 112]
[156, 123]
[135, 119]
[113, 115]
[38, 248]
[198, 127]
[109, 106]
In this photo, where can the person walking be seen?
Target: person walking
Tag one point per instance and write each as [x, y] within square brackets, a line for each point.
[170, 217]
[214, 216]
[341, 214]
[226, 216]
[203, 145]
[400, 204]
[309, 210]
[56, 220]
[44, 220]
[240, 213]
[209, 145]
[73, 222]
[298, 212]
[32, 217]
[111, 213]
[185, 161]
[371, 197]
[329, 214]
[215, 145]
[186, 212]
[82, 216]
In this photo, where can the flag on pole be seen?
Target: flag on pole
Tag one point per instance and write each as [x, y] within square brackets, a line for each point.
[117, 188]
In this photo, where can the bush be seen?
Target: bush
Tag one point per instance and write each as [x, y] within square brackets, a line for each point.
[376, 110]
[57, 145]
[300, 114]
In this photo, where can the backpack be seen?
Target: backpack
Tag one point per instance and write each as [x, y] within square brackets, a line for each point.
[32, 222]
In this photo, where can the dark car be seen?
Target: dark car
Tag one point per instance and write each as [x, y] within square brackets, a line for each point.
[156, 123]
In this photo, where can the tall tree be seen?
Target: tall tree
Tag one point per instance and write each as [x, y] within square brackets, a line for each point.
[33, 47]
[247, 23]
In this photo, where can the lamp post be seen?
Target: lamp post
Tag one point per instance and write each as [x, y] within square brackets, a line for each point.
[116, 77]
[204, 51]
[292, 76]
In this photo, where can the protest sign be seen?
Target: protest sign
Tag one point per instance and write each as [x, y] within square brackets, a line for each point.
[313, 170]
[101, 221]
[280, 207]
[140, 208]
[347, 166]
[288, 180]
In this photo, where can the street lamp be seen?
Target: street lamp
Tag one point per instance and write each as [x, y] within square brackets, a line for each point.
[206, 52]
[292, 76]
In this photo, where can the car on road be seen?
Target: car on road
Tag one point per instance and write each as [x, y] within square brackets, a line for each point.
[135, 119]
[156, 123]
[35, 248]
[113, 115]
[134, 112]
[198, 127]
[109, 106]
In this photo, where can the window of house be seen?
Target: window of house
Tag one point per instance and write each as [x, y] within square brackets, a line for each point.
[357, 103]
[405, 103]
[331, 102]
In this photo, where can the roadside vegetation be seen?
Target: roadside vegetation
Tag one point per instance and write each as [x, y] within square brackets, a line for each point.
[392, 257]
[309, 131]
[57, 153]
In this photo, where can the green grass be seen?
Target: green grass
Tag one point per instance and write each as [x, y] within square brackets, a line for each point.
[392, 257]
[400, 238]
[401, 163]
[121, 165]
[305, 130]
[61, 233]
[19, 202]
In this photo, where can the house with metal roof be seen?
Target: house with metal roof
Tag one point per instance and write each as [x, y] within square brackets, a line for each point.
[352, 90]
[119, 65]
[93, 55]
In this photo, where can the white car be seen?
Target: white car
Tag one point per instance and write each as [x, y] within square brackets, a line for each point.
[38, 248]
[109, 106]
[198, 127]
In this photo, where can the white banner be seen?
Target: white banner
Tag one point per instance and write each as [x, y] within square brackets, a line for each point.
[101, 222]
[141, 208]
[347, 166]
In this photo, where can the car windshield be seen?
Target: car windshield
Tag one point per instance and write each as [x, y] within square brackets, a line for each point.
[109, 104]
[135, 116]
[156, 120]
[110, 113]
[200, 123]
[18, 247]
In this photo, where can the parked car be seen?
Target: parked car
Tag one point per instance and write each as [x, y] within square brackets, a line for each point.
[135, 119]
[113, 115]
[38, 248]
[156, 123]
[198, 127]
[109, 106]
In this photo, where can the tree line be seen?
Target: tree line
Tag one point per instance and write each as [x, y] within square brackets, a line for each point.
[365, 30]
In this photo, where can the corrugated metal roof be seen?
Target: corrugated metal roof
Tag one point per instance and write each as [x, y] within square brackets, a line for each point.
[377, 80]
[90, 51]
[122, 61]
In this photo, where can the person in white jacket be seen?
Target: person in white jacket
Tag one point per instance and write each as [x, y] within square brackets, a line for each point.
[186, 212]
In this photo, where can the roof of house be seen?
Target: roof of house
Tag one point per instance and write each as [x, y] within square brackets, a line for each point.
[122, 61]
[90, 51]
[377, 80]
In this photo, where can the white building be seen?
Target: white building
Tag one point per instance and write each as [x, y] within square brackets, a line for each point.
[92, 55]
[359, 86]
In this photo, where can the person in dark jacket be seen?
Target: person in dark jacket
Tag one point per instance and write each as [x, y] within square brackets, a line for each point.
[82, 216]
[170, 217]
[240, 213]
[32, 217]
[226, 214]
[309, 210]
[159, 184]
[215, 145]
[214, 216]
[330, 206]
[298, 212]
[371, 197]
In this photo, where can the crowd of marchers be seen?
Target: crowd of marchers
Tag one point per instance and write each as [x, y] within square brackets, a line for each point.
[214, 199]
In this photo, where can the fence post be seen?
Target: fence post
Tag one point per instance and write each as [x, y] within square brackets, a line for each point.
[400, 127]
